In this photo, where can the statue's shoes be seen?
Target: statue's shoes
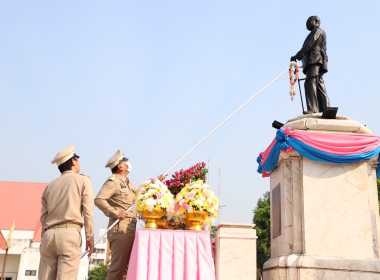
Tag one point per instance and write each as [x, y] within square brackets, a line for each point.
[308, 112]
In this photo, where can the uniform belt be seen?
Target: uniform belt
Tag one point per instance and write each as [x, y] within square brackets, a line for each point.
[66, 225]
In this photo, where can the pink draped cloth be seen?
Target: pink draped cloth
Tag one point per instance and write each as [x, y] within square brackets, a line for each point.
[337, 144]
[171, 255]
[264, 155]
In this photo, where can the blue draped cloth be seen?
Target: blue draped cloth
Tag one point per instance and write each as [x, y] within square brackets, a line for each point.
[301, 143]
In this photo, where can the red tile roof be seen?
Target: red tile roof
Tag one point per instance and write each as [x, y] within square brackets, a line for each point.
[21, 202]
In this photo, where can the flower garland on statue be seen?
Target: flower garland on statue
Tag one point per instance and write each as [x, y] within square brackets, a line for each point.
[196, 196]
[153, 195]
[293, 80]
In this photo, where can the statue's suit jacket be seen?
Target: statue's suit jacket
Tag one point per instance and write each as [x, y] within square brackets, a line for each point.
[314, 50]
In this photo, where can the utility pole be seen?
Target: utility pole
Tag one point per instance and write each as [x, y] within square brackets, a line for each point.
[208, 176]
[4, 264]
[219, 186]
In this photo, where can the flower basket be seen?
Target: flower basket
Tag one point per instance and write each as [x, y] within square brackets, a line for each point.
[195, 219]
[163, 223]
[196, 205]
[152, 217]
[153, 201]
[183, 177]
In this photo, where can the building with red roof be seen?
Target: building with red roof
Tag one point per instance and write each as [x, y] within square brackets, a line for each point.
[21, 204]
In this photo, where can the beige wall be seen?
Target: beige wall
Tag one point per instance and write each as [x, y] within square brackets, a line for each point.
[11, 265]
[235, 252]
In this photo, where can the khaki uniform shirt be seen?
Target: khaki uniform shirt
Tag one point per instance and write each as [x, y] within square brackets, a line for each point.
[65, 199]
[116, 194]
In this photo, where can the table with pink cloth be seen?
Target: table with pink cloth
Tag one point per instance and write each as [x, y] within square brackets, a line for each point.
[171, 255]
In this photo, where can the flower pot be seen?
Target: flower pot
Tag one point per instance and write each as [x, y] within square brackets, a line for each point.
[162, 223]
[152, 217]
[195, 219]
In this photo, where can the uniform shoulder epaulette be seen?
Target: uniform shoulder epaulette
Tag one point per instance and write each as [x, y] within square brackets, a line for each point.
[84, 175]
[112, 177]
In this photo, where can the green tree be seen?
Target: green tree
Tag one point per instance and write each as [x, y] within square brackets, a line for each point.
[213, 232]
[98, 273]
[261, 218]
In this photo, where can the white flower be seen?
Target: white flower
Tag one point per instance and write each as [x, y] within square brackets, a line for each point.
[155, 186]
[160, 201]
[150, 203]
[198, 202]
[151, 192]
[144, 184]
[196, 186]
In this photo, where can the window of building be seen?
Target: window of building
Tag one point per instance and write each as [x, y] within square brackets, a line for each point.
[30, 272]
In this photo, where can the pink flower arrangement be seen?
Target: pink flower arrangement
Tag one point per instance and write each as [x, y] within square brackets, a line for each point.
[153, 194]
[183, 177]
[196, 196]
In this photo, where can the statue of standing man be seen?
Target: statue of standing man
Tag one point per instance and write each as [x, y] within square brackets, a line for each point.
[314, 61]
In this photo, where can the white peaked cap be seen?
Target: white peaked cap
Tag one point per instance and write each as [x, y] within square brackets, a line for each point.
[63, 155]
[115, 159]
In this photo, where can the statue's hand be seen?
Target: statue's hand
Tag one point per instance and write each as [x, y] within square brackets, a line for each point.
[293, 58]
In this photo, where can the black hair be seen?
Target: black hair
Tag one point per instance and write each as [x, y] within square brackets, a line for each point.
[67, 165]
[115, 168]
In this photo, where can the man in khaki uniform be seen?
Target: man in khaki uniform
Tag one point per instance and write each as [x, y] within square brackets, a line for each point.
[63, 202]
[114, 198]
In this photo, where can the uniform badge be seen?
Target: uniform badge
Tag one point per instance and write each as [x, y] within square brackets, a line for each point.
[122, 186]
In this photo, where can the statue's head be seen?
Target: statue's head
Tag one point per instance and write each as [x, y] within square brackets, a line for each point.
[312, 22]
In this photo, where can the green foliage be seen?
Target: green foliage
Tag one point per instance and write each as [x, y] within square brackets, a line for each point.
[261, 218]
[213, 232]
[98, 273]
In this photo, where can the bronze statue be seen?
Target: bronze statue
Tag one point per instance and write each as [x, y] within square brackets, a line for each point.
[314, 62]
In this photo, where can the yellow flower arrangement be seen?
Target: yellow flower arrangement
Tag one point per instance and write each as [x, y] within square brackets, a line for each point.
[196, 196]
[153, 195]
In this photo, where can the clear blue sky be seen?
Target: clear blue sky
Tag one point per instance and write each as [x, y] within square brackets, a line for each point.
[154, 77]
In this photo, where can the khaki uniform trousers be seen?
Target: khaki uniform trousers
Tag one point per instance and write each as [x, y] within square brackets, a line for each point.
[121, 241]
[60, 254]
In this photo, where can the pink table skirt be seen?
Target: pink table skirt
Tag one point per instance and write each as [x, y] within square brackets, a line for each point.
[171, 255]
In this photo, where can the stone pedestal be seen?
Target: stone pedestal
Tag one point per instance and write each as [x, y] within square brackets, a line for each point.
[324, 217]
[235, 252]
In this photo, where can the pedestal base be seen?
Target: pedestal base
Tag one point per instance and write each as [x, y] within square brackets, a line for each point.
[301, 267]
[235, 252]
